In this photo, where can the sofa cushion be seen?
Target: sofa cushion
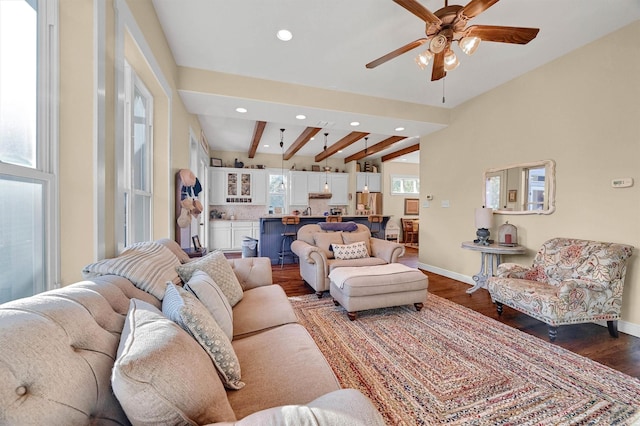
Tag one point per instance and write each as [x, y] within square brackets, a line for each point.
[209, 293]
[354, 237]
[323, 241]
[187, 311]
[147, 265]
[350, 251]
[251, 315]
[283, 365]
[162, 377]
[218, 268]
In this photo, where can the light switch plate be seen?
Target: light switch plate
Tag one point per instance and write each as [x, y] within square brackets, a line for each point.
[444, 203]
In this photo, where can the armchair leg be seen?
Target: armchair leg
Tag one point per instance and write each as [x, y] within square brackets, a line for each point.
[319, 294]
[553, 332]
[499, 308]
[613, 328]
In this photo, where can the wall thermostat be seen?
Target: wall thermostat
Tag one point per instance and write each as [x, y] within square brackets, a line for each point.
[622, 182]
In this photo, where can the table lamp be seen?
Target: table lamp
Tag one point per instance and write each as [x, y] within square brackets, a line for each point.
[484, 220]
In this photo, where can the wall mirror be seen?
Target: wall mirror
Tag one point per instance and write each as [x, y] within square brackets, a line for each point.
[526, 188]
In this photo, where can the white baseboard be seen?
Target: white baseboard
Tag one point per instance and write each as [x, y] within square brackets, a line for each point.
[623, 326]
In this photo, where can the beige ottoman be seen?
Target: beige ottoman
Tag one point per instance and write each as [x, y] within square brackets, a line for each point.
[358, 288]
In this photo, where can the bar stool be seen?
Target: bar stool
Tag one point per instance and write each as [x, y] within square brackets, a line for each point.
[334, 218]
[375, 225]
[288, 234]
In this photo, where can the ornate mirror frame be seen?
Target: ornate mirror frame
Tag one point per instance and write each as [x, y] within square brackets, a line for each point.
[550, 187]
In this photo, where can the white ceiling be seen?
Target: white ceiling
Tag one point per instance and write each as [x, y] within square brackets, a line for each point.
[332, 42]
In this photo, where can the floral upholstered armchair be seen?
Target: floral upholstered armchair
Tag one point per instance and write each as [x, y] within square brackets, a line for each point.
[571, 281]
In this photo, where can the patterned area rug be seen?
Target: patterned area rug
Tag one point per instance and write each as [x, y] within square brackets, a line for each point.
[450, 365]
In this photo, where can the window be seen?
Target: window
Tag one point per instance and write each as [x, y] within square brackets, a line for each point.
[277, 192]
[405, 185]
[28, 254]
[138, 139]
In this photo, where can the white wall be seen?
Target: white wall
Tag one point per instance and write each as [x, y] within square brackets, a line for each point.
[581, 110]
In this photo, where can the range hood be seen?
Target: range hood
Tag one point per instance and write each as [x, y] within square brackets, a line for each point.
[319, 195]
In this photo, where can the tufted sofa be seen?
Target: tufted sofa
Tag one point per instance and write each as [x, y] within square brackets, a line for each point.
[313, 248]
[58, 350]
[570, 281]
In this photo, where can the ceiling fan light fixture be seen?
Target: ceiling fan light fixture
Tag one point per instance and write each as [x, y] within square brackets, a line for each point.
[469, 44]
[451, 61]
[423, 59]
[438, 43]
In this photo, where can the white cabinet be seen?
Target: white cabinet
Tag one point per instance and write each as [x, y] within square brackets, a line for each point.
[315, 181]
[298, 188]
[237, 186]
[339, 186]
[374, 181]
[228, 234]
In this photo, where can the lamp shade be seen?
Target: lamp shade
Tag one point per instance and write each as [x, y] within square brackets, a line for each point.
[484, 218]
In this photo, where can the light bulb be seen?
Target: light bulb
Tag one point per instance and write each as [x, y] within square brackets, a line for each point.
[326, 187]
[450, 61]
[366, 189]
[469, 44]
[423, 59]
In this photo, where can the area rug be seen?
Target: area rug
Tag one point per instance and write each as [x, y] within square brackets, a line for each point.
[450, 365]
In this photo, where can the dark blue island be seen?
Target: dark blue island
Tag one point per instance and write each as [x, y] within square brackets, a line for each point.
[271, 228]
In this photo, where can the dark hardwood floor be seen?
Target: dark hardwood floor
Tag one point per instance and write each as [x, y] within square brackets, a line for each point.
[589, 340]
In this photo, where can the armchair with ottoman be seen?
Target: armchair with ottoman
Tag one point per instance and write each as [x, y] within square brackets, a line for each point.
[316, 247]
[132, 346]
[571, 281]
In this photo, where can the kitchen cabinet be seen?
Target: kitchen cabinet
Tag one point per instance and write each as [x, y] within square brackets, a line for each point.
[374, 180]
[298, 188]
[339, 186]
[237, 186]
[228, 234]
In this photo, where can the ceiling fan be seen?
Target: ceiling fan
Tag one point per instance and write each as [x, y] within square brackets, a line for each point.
[449, 24]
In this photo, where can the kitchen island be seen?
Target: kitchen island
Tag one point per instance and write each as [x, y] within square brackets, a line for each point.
[271, 228]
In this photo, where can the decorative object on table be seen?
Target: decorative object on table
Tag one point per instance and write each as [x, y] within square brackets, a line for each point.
[484, 220]
[196, 243]
[508, 235]
[411, 206]
[216, 162]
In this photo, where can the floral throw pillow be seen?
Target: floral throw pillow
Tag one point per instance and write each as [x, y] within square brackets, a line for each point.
[350, 251]
[189, 313]
[217, 267]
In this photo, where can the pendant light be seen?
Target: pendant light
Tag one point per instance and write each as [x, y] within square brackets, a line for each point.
[326, 180]
[366, 175]
[282, 187]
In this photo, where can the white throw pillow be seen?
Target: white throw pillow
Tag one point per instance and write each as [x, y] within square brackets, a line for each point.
[209, 293]
[350, 251]
[162, 377]
[217, 267]
[187, 311]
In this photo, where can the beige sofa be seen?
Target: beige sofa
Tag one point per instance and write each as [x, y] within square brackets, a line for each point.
[58, 350]
[317, 260]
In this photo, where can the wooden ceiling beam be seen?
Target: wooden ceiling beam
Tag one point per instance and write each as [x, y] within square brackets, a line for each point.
[257, 135]
[374, 148]
[341, 144]
[401, 152]
[302, 140]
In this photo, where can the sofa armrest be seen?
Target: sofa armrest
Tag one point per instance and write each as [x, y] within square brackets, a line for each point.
[306, 251]
[252, 271]
[511, 270]
[344, 407]
[386, 250]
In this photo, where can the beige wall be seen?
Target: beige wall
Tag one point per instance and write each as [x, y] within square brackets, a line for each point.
[582, 111]
[79, 171]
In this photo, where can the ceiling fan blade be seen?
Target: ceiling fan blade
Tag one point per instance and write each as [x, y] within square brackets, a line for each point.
[516, 35]
[407, 47]
[438, 71]
[476, 7]
[420, 11]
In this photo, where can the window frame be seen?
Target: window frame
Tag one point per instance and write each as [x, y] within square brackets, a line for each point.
[393, 178]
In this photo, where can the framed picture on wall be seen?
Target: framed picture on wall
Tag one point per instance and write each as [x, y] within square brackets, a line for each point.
[513, 195]
[411, 206]
[216, 162]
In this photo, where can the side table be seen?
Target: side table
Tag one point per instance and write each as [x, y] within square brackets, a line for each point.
[490, 255]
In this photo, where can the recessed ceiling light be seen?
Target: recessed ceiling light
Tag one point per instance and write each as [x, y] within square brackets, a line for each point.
[355, 123]
[399, 129]
[339, 151]
[404, 159]
[301, 116]
[284, 35]
[241, 110]
[266, 145]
